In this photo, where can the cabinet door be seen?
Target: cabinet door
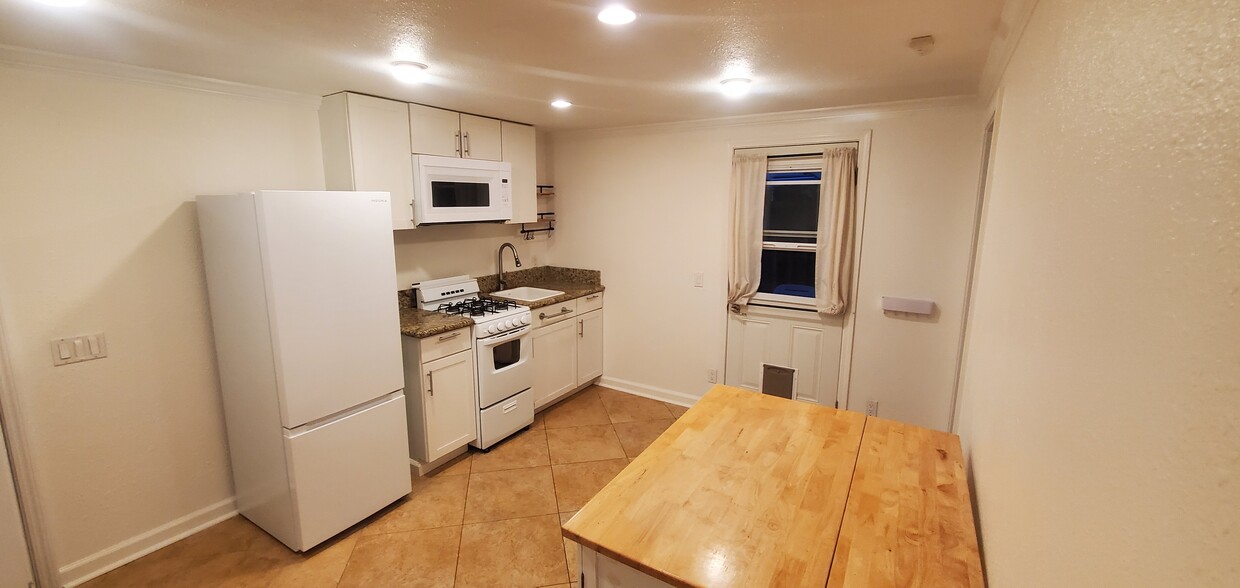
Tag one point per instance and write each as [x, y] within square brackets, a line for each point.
[482, 137]
[379, 138]
[555, 361]
[589, 346]
[449, 405]
[519, 149]
[434, 131]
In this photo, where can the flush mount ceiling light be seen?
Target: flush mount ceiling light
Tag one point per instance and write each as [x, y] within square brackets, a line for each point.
[616, 15]
[735, 87]
[409, 72]
[561, 103]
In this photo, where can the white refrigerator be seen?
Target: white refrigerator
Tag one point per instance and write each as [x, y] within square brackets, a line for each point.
[302, 289]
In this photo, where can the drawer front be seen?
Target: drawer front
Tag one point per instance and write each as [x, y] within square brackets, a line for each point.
[549, 315]
[590, 302]
[505, 418]
[443, 345]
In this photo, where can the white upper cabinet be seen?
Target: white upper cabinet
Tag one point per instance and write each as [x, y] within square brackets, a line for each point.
[366, 147]
[520, 149]
[434, 131]
[480, 137]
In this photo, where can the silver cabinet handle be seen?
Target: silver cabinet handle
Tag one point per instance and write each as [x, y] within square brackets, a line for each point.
[563, 310]
[581, 328]
[592, 297]
[458, 143]
[449, 337]
[430, 382]
[466, 143]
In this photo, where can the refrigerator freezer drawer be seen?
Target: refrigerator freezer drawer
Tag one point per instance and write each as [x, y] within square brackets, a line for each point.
[345, 470]
[505, 418]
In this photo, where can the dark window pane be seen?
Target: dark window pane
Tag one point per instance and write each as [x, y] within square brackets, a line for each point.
[787, 272]
[460, 194]
[791, 208]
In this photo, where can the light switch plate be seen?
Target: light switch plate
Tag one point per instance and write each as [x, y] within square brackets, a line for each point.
[79, 349]
[699, 279]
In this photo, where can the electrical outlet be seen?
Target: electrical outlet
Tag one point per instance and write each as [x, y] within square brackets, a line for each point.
[712, 376]
[699, 279]
[871, 408]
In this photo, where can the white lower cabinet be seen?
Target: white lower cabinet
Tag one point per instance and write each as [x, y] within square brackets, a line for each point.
[443, 407]
[555, 361]
[589, 346]
[568, 349]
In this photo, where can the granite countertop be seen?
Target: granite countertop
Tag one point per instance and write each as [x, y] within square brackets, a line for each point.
[574, 283]
[427, 323]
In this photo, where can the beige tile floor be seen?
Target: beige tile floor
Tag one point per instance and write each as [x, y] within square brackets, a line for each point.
[487, 519]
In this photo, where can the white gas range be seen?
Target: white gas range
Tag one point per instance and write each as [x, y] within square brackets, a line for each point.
[502, 347]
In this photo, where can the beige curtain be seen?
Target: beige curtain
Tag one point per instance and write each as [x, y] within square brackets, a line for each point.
[748, 194]
[833, 275]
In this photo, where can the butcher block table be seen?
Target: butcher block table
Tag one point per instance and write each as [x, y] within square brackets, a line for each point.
[751, 490]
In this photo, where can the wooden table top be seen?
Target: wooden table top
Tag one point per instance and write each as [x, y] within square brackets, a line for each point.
[752, 490]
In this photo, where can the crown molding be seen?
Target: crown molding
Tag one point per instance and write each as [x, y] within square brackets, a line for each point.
[1012, 23]
[23, 58]
[877, 108]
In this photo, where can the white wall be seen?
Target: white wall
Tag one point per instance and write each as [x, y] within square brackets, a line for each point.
[98, 233]
[428, 253]
[649, 206]
[1102, 388]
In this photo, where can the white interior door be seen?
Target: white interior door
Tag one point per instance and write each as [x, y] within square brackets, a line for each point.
[803, 341]
[15, 571]
[331, 276]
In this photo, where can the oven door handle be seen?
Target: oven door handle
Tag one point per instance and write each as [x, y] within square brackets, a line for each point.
[503, 338]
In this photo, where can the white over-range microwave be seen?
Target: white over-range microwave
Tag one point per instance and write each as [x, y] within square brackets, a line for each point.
[458, 190]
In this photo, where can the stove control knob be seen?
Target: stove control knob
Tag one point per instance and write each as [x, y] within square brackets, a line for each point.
[492, 329]
[525, 320]
[507, 324]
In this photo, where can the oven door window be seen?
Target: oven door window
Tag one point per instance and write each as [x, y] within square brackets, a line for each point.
[447, 194]
[506, 354]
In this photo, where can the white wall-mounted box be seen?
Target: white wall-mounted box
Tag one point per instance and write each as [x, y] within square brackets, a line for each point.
[909, 305]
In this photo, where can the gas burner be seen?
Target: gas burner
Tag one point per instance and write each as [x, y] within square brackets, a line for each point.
[475, 307]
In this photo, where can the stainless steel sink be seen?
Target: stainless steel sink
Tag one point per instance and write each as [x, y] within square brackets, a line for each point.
[526, 294]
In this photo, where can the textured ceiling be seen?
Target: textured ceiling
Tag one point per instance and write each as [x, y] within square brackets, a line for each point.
[509, 58]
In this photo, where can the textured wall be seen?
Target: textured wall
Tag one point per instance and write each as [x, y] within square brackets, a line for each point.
[98, 232]
[1102, 388]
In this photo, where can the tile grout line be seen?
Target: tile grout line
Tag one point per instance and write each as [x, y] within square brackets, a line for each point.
[555, 491]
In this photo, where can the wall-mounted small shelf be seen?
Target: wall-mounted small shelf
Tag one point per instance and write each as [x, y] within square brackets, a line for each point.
[546, 190]
[543, 217]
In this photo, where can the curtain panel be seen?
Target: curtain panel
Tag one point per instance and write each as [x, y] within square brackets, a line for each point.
[833, 274]
[748, 196]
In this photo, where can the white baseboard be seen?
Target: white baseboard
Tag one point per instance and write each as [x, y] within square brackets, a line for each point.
[110, 558]
[651, 392]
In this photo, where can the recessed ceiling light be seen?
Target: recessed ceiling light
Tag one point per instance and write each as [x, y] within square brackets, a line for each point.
[409, 72]
[62, 3]
[561, 103]
[735, 87]
[616, 15]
